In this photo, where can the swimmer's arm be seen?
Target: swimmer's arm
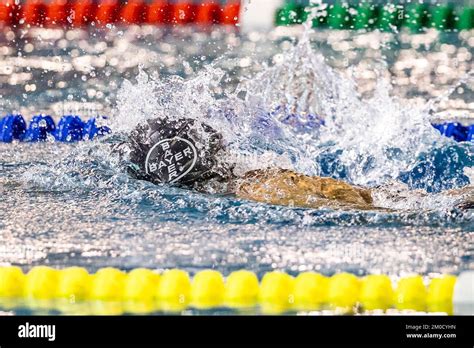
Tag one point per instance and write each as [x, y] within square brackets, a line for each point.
[285, 187]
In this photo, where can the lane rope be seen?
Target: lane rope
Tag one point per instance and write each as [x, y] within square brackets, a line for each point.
[275, 292]
[71, 128]
[367, 16]
[82, 13]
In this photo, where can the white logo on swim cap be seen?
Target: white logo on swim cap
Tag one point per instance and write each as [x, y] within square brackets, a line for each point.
[171, 159]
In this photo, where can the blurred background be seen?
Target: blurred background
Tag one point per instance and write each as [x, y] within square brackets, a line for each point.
[66, 56]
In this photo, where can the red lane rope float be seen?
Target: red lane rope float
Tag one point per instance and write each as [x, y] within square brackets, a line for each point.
[7, 12]
[133, 12]
[208, 13]
[183, 12]
[57, 12]
[230, 13]
[80, 13]
[83, 12]
[33, 12]
[158, 12]
[107, 11]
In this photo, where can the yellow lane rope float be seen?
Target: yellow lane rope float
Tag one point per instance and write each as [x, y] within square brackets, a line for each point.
[144, 290]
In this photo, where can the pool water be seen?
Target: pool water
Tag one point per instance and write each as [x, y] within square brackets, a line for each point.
[75, 204]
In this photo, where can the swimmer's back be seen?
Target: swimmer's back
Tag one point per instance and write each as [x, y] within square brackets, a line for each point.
[285, 187]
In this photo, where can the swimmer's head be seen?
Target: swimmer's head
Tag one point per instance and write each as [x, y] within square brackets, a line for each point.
[180, 152]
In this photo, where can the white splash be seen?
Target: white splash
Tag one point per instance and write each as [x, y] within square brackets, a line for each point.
[372, 141]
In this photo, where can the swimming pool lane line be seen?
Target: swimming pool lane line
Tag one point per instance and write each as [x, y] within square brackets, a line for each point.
[346, 15]
[102, 13]
[72, 128]
[376, 15]
[276, 292]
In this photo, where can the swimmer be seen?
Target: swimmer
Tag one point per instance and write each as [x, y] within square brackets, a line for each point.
[175, 152]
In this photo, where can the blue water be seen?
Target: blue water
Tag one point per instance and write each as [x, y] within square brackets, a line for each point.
[75, 204]
[79, 210]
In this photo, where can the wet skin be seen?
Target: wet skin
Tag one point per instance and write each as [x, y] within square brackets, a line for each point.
[285, 187]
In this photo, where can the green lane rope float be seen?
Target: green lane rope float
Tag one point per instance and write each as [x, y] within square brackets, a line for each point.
[366, 17]
[290, 14]
[354, 15]
[416, 17]
[339, 17]
[390, 17]
[143, 290]
[442, 17]
[466, 19]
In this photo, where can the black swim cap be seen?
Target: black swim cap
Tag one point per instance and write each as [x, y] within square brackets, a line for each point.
[180, 152]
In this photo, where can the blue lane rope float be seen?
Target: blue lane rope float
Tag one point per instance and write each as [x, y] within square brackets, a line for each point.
[91, 130]
[303, 123]
[39, 128]
[276, 292]
[70, 128]
[457, 131]
[12, 127]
